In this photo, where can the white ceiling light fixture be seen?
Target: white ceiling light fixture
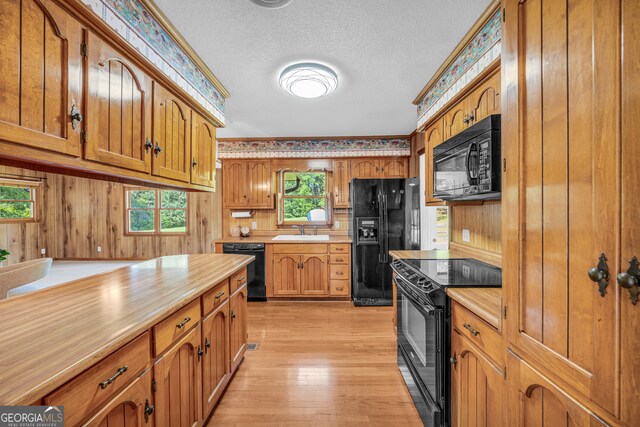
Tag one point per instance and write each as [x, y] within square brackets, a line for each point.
[272, 4]
[308, 80]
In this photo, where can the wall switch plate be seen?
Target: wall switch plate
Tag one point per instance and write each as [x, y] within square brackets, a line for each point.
[254, 225]
[99, 248]
[43, 251]
[466, 236]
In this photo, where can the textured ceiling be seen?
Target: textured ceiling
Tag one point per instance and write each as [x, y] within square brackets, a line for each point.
[384, 51]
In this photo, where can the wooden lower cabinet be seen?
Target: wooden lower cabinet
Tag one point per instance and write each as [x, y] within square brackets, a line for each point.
[535, 401]
[237, 326]
[286, 275]
[215, 361]
[477, 386]
[313, 275]
[132, 407]
[178, 376]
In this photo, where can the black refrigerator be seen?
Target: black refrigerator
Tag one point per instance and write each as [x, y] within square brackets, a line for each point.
[385, 216]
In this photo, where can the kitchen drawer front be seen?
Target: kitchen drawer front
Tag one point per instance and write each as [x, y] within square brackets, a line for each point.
[85, 393]
[175, 326]
[340, 248]
[478, 331]
[237, 280]
[298, 248]
[215, 297]
[339, 272]
[339, 287]
[339, 259]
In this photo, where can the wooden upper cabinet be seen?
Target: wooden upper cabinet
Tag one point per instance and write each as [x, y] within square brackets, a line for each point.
[260, 180]
[456, 119]
[171, 136]
[564, 203]
[485, 99]
[215, 362]
[234, 183]
[203, 151]
[477, 386]
[237, 326]
[131, 407]
[178, 379]
[341, 179]
[286, 275]
[41, 76]
[118, 115]
[313, 275]
[433, 137]
[394, 168]
[365, 168]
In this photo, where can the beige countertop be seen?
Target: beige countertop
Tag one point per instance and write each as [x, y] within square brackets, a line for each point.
[50, 336]
[333, 238]
[485, 303]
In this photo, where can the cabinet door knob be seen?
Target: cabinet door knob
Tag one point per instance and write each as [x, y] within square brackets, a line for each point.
[148, 410]
[207, 344]
[148, 145]
[200, 353]
[157, 150]
[194, 163]
[631, 280]
[76, 117]
[600, 274]
[233, 314]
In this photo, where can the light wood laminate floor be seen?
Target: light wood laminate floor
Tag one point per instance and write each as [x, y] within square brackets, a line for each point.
[318, 363]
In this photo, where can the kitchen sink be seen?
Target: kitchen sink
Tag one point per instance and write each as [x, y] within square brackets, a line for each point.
[305, 238]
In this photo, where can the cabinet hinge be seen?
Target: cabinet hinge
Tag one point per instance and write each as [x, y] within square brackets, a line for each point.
[504, 312]
[83, 136]
[83, 49]
[505, 373]
[504, 164]
[154, 386]
[504, 15]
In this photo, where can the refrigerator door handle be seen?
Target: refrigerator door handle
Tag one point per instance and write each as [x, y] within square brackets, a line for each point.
[381, 230]
[386, 229]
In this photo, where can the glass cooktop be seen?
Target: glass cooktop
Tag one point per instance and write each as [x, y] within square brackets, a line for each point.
[458, 272]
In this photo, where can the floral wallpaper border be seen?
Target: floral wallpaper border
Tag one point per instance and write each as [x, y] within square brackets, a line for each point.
[132, 20]
[481, 51]
[313, 148]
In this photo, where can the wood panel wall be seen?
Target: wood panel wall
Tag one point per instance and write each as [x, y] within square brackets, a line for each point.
[484, 223]
[79, 214]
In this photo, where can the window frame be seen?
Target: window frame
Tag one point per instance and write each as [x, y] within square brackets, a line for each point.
[35, 199]
[327, 196]
[156, 209]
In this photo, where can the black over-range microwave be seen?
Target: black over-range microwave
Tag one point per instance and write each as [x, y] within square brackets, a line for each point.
[467, 166]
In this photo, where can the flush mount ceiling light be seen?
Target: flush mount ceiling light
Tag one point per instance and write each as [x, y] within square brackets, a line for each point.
[308, 80]
[272, 4]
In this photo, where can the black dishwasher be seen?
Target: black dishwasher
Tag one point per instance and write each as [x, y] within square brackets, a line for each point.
[256, 284]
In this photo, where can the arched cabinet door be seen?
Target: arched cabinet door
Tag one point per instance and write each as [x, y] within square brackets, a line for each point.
[234, 183]
[237, 326]
[118, 109]
[485, 100]
[133, 406]
[41, 80]
[203, 156]
[477, 386]
[171, 136]
[215, 362]
[365, 168]
[455, 119]
[394, 168]
[178, 380]
[286, 275]
[259, 176]
[314, 275]
[433, 137]
[341, 179]
[541, 403]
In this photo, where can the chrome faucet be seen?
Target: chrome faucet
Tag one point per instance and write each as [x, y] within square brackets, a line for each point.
[300, 228]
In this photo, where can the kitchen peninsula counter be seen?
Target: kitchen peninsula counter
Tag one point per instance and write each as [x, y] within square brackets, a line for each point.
[50, 336]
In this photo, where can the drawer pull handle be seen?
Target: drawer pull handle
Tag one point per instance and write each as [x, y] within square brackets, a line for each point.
[219, 295]
[184, 322]
[105, 384]
[470, 328]
[340, 289]
[240, 279]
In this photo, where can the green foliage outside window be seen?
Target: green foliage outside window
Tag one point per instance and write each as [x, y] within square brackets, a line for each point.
[144, 211]
[304, 192]
[16, 202]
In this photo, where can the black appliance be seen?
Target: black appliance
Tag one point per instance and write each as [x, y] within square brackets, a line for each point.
[424, 327]
[467, 166]
[385, 216]
[256, 274]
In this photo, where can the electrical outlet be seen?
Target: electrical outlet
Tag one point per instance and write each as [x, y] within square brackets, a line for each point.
[43, 251]
[466, 236]
[99, 249]
[254, 225]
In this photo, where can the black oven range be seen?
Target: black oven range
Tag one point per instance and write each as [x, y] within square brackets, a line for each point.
[424, 327]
